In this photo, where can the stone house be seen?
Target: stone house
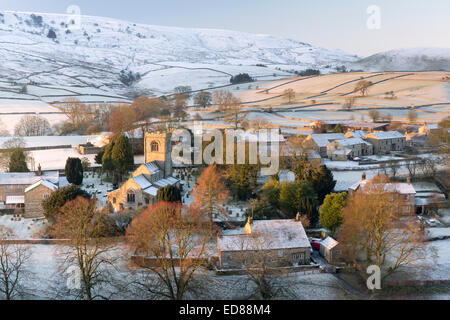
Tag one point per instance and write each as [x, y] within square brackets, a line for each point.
[34, 195]
[342, 150]
[319, 142]
[14, 186]
[386, 141]
[405, 192]
[281, 243]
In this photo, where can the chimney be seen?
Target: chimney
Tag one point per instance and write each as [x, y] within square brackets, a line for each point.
[39, 170]
[408, 180]
[297, 218]
[364, 177]
[248, 226]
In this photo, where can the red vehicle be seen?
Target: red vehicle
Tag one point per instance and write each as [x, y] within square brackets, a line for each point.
[315, 245]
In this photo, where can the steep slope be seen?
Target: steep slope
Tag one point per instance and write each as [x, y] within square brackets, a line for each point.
[408, 59]
[46, 49]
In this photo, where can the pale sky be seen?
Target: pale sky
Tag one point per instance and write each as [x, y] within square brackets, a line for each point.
[332, 24]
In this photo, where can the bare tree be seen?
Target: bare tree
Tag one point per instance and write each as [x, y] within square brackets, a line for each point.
[223, 99]
[374, 115]
[379, 228]
[234, 113]
[203, 99]
[429, 167]
[412, 116]
[265, 281]
[348, 103]
[79, 115]
[29, 126]
[170, 245]
[363, 87]
[412, 165]
[289, 95]
[12, 266]
[89, 251]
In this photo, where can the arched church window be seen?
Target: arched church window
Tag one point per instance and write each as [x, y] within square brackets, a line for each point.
[154, 146]
[131, 197]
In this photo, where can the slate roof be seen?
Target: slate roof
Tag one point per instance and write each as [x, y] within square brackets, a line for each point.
[45, 183]
[275, 234]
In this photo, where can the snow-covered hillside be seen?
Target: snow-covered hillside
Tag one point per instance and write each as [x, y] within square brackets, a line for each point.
[408, 59]
[46, 49]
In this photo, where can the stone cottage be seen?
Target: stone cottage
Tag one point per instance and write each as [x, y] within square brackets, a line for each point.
[345, 149]
[386, 141]
[282, 243]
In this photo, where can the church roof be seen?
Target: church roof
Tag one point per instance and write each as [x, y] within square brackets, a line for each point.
[152, 167]
[142, 181]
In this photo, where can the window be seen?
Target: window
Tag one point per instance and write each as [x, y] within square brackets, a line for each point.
[298, 257]
[114, 200]
[46, 196]
[147, 201]
[154, 146]
[280, 253]
[131, 197]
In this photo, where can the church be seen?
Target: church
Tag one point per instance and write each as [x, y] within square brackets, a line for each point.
[156, 173]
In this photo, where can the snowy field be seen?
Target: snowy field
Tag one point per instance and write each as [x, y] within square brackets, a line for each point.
[23, 228]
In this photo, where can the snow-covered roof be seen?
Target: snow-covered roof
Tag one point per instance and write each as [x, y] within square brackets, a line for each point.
[258, 136]
[27, 178]
[152, 188]
[356, 134]
[286, 176]
[344, 151]
[385, 135]
[351, 142]
[329, 243]
[165, 182]
[267, 235]
[142, 181]
[45, 183]
[152, 167]
[15, 200]
[401, 188]
[151, 191]
[323, 139]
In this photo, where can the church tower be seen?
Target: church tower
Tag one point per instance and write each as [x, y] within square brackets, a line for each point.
[158, 147]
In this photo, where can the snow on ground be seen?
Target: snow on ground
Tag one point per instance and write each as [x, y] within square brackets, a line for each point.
[46, 261]
[91, 179]
[445, 216]
[52, 141]
[24, 228]
[55, 159]
[438, 233]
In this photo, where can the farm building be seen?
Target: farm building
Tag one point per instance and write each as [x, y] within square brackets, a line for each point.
[329, 249]
[342, 150]
[385, 142]
[319, 141]
[282, 243]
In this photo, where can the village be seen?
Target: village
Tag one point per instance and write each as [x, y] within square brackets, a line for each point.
[145, 162]
[285, 239]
